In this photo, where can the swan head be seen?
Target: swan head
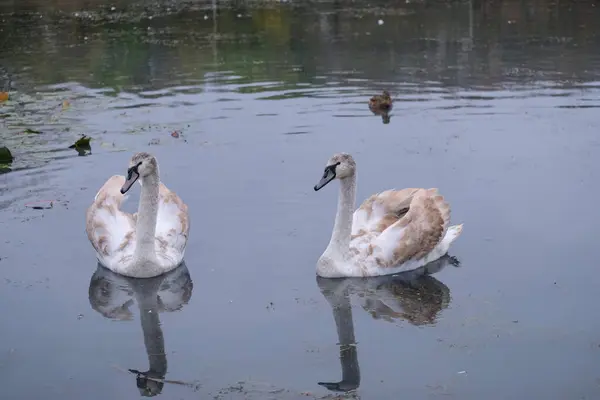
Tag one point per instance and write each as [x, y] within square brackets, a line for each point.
[339, 166]
[141, 165]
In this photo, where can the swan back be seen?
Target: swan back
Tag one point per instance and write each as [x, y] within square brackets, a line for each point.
[417, 233]
[381, 210]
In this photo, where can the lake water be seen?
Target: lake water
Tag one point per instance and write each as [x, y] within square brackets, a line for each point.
[496, 104]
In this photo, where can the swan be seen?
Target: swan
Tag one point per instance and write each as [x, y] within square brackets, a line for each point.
[147, 243]
[392, 231]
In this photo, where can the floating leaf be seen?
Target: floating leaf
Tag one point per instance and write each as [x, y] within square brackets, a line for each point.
[82, 146]
[5, 156]
[3, 96]
[83, 141]
[28, 130]
[65, 104]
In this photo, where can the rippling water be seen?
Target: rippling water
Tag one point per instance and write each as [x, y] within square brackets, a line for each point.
[495, 103]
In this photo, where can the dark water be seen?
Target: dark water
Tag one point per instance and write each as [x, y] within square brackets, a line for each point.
[496, 104]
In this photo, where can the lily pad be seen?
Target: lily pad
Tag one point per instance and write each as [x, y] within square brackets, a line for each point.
[5, 155]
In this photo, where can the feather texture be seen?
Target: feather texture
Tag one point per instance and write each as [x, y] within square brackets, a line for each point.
[391, 232]
[118, 237]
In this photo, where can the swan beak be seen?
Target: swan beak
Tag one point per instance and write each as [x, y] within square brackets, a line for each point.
[328, 176]
[333, 386]
[132, 176]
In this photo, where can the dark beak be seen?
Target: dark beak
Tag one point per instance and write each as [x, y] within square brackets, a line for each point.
[328, 176]
[333, 386]
[342, 386]
[132, 176]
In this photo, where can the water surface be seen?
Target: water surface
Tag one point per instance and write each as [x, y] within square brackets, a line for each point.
[496, 104]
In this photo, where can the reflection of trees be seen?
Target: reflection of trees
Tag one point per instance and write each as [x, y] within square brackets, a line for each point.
[462, 45]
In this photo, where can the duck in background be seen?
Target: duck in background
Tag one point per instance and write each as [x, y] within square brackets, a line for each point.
[381, 104]
[381, 101]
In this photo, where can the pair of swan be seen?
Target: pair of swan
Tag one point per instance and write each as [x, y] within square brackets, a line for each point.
[392, 231]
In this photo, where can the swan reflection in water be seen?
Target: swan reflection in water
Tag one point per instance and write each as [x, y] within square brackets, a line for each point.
[112, 295]
[414, 296]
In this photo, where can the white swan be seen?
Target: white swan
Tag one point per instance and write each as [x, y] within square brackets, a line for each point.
[147, 243]
[391, 232]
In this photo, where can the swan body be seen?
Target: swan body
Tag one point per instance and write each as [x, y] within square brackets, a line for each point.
[148, 243]
[391, 232]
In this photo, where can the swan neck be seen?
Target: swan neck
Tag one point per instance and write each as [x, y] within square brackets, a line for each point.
[153, 335]
[342, 228]
[146, 218]
[342, 314]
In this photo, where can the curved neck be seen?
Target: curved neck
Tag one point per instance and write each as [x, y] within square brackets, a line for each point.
[146, 218]
[342, 228]
[342, 314]
[153, 335]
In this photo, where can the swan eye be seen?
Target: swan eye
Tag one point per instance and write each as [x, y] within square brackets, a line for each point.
[331, 168]
[133, 169]
[328, 175]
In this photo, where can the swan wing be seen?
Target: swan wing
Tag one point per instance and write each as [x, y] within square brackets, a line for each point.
[110, 230]
[172, 226]
[381, 210]
[416, 234]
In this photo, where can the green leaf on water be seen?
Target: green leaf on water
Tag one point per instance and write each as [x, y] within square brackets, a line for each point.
[83, 141]
[82, 146]
[5, 155]
[28, 130]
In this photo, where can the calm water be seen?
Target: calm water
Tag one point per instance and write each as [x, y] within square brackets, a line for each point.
[495, 104]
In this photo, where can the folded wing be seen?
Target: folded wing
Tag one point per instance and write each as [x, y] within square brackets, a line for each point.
[172, 226]
[110, 230]
[417, 233]
[381, 210]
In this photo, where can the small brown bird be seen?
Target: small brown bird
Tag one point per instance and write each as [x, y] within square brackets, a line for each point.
[382, 102]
